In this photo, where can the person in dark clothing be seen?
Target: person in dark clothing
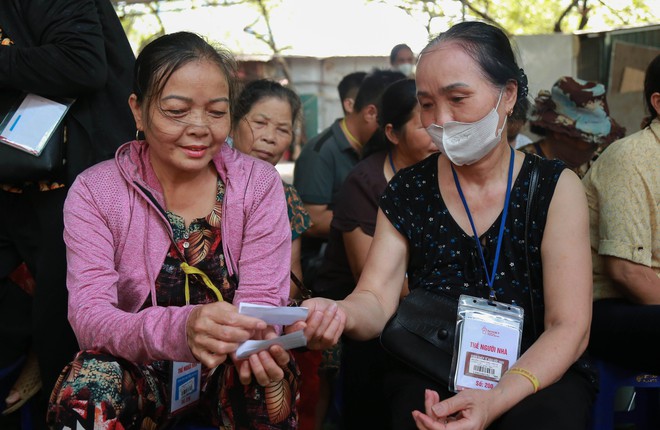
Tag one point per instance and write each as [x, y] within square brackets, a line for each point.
[320, 170]
[55, 48]
[326, 160]
[455, 225]
[364, 365]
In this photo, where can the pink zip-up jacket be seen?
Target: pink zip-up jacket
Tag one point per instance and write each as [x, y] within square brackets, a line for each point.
[117, 240]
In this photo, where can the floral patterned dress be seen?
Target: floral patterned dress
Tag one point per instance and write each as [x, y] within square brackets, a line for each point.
[298, 216]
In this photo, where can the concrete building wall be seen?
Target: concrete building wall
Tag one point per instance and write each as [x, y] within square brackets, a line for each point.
[547, 57]
[544, 58]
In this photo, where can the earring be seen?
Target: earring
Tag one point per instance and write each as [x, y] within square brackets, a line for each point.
[137, 134]
[510, 112]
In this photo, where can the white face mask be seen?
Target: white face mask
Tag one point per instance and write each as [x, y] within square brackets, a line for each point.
[405, 68]
[468, 142]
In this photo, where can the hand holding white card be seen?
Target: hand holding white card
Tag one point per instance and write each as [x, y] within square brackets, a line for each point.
[273, 315]
[288, 341]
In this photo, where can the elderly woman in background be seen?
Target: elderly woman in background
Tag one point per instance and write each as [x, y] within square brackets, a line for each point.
[264, 122]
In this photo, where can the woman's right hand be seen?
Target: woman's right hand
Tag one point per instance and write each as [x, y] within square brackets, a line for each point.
[324, 324]
[217, 329]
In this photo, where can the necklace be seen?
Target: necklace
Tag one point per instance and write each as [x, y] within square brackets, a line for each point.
[350, 136]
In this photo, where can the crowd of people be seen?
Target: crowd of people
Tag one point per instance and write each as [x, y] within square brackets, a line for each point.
[123, 268]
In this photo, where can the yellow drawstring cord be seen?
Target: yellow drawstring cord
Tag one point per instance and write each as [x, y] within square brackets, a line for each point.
[190, 270]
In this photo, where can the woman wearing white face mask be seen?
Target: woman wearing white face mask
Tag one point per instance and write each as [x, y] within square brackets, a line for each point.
[456, 224]
[402, 60]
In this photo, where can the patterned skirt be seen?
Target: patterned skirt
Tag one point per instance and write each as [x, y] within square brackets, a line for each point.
[100, 392]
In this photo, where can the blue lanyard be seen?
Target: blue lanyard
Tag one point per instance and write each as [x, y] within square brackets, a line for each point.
[490, 279]
[392, 163]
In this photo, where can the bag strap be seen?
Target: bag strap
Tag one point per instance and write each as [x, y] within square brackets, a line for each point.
[533, 184]
[305, 292]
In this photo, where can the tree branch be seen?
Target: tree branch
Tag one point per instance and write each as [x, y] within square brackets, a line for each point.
[270, 41]
[614, 12]
[557, 28]
[584, 18]
[155, 9]
[482, 14]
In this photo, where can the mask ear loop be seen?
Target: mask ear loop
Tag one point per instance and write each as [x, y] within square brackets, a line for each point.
[499, 99]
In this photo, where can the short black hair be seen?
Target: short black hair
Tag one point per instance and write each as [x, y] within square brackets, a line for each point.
[373, 85]
[397, 106]
[349, 84]
[651, 85]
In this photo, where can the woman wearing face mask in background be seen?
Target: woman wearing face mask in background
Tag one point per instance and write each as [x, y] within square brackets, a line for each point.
[455, 224]
[402, 60]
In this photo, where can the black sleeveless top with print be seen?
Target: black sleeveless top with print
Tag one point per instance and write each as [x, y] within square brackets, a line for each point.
[445, 259]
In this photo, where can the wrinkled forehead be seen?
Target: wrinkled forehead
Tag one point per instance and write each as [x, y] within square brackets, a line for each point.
[445, 62]
[441, 48]
[272, 107]
[202, 67]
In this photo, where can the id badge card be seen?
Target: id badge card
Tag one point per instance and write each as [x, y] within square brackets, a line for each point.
[488, 338]
[185, 383]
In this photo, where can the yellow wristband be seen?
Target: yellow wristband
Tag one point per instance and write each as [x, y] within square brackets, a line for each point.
[527, 374]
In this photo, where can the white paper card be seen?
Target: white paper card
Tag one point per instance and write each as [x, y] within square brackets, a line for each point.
[33, 122]
[273, 315]
[186, 385]
[296, 339]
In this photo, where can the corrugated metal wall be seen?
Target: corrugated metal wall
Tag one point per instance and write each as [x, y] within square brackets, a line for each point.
[596, 49]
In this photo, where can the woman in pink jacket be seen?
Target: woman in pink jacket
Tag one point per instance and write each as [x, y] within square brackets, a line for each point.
[163, 243]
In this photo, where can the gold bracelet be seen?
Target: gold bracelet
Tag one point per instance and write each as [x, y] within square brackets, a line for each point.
[527, 374]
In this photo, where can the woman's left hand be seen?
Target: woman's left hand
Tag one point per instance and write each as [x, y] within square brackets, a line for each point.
[467, 410]
[266, 366]
[324, 325]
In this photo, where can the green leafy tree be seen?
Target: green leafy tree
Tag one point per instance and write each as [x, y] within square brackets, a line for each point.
[537, 17]
[142, 22]
[265, 7]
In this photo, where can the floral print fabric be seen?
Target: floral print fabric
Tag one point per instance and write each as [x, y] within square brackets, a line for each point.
[298, 216]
